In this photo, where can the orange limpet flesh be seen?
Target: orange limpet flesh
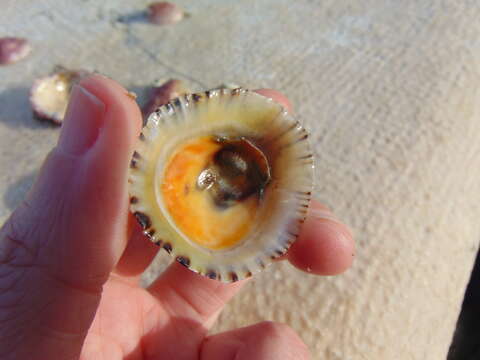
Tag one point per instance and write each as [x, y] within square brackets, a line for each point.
[192, 209]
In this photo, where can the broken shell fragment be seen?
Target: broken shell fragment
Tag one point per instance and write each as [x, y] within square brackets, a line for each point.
[227, 85]
[222, 180]
[162, 94]
[164, 13]
[13, 49]
[49, 95]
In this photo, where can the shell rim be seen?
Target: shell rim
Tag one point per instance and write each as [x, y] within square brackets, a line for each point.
[303, 206]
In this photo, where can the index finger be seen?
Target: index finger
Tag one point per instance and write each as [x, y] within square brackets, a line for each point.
[276, 96]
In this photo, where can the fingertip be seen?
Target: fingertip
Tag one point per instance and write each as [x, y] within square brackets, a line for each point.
[119, 129]
[115, 97]
[83, 119]
[277, 97]
[325, 245]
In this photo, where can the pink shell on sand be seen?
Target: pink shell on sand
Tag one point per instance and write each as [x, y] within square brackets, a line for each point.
[162, 94]
[49, 95]
[13, 49]
[164, 13]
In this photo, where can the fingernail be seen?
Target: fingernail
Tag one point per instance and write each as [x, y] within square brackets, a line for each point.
[317, 213]
[82, 123]
[322, 214]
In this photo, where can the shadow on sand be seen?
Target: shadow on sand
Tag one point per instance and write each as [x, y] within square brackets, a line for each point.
[16, 111]
[17, 191]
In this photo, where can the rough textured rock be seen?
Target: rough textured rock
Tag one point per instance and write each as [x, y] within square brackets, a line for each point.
[390, 90]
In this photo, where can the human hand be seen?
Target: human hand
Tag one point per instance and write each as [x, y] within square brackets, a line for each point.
[71, 256]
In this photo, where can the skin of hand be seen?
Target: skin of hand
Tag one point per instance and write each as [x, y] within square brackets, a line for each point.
[71, 256]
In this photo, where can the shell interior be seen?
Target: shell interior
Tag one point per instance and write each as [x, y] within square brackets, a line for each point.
[50, 95]
[222, 180]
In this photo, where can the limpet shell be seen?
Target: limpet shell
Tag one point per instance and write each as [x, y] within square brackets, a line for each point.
[13, 49]
[160, 94]
[50, 94]
[222, 181]
[164, 13]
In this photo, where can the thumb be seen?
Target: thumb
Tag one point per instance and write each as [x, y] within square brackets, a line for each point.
[59, 246]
